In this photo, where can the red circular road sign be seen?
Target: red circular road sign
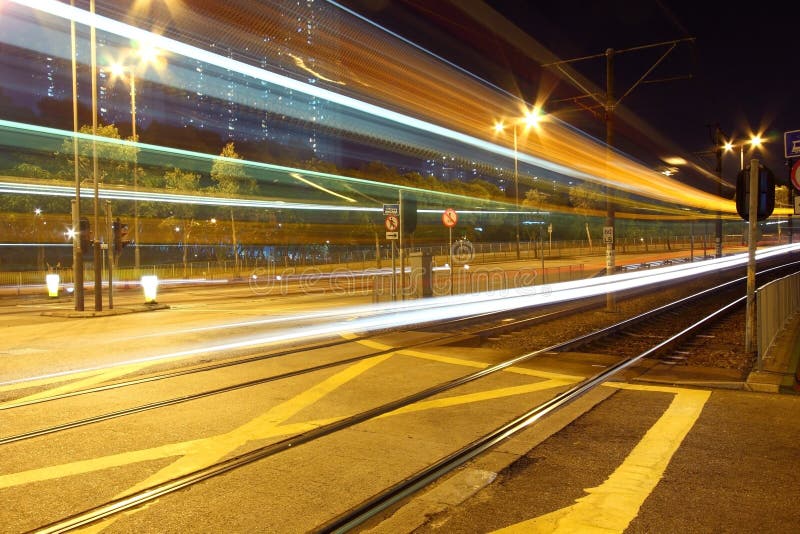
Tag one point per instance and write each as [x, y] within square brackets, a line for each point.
[392, 223]
[449, 217]
[796, 174]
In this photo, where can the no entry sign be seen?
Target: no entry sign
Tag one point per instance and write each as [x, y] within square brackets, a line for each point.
[449, 217]
[796, 175]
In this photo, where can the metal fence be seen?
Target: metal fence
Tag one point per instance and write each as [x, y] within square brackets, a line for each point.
[365, 259]
[776, 303]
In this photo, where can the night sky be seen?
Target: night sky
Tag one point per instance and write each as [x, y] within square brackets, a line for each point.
[742, 71]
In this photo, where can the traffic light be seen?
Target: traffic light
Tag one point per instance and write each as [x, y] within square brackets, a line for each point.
[766, 193]
[408, 215]
[85, 234]
[120, 234]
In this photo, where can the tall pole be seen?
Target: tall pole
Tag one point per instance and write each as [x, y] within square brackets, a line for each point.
[402, 252]
[516, 190]
[136, 260]
[235, 245]
[752, 216]
[98, 264]
[452, 267]
[77, 251]
[718, 151]
[111, 254]
[609, 109]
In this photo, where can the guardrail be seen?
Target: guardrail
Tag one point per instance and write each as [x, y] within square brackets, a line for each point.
[776, 303]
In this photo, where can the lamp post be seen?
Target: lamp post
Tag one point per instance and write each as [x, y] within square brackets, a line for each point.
[147, 55]
[120, 70]
[755, 142]
[37, 215]
[529, 119]
[77, 250]
[98, 266]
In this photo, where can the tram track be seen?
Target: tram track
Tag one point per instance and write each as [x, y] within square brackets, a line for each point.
[392, 495]
[482, 326]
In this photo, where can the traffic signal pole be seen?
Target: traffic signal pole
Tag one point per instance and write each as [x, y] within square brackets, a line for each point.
[752, 216]
[111, 230]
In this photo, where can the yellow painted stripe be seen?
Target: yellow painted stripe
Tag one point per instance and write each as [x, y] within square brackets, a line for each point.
[481, 365]
[48, 380]
[443, 359]
[94, 464]
[211, 450]
[478, 397]
[102, 377]
[611, 506]
[366, 342]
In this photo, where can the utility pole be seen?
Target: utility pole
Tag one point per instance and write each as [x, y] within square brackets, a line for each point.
[98, 262]
[608, 104]
[77, 250]
[611, 304]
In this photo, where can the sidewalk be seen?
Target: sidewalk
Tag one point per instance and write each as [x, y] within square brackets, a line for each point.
[779, 366]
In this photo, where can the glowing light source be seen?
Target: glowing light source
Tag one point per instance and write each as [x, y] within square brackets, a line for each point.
[52, 280]
[150, 288]
[532, 118]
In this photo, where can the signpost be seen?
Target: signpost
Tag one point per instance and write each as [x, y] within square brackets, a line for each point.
[392, 223]
[608, 234]
[791, 144]
[391, 213]
[449, 219]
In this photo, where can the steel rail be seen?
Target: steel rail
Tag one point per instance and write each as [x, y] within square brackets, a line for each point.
[411, 484]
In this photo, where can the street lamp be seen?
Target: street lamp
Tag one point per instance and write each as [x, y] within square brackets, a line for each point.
[147, 54]
[755, 141]
[37, 215]
[529, 120]
[119, 70]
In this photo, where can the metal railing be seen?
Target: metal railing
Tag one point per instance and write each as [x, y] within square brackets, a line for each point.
[776, 303]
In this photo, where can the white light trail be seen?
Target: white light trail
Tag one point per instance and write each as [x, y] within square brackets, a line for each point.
[65, 11]
[365, 319]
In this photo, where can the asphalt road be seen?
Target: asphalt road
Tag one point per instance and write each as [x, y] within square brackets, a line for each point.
[624, 467]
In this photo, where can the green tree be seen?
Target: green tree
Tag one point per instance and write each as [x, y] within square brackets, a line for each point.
[182, 216]
[587, 197]
[230, 178]
[115, 160]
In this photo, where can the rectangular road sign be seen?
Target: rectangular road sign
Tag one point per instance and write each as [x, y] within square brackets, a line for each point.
[608, 234]
[391, 209]
[791, 144]
[392, 235]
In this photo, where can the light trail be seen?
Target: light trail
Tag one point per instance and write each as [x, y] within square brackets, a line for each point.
[556, 147]
[367, 319]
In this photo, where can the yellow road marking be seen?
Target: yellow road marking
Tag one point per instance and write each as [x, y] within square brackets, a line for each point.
[481, 365]
[611, 506]
[90, 380]
[205, 452]
[196, 454]
[478, 397]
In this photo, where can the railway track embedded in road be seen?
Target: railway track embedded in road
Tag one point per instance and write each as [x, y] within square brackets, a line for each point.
[411, 484]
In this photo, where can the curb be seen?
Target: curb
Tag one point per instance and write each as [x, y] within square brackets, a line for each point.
[72, 314]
